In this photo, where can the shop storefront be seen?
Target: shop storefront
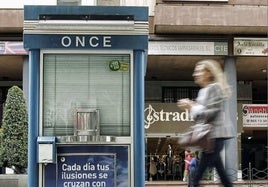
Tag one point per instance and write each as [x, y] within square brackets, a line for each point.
[164, 122]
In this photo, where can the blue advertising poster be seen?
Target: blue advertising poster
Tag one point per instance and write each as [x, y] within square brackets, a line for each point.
[89, 166]
[86, 170]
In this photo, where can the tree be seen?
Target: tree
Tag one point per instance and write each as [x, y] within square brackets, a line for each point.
[13, 137]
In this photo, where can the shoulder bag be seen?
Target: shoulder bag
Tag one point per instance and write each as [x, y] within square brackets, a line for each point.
[197, 136]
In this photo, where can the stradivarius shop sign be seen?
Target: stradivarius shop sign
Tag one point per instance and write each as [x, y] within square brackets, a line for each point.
[152, 116]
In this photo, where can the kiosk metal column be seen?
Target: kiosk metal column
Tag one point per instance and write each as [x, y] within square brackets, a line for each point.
[86, 95]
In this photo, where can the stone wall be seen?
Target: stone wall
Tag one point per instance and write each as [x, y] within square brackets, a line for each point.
[12, 180]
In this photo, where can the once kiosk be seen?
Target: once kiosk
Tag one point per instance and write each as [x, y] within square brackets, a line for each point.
[86, 95]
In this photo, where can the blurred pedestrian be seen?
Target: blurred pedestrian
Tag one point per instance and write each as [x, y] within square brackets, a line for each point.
[192, 168]
[209, 107]
[187, 160]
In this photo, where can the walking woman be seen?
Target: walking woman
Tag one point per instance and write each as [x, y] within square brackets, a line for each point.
[209, 107]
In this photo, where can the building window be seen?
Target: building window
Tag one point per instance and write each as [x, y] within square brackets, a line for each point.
[86, 81]
[172, 94]
[69, 2]
[108, 2]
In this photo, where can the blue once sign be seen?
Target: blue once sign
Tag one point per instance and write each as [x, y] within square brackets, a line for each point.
[87, 170]
[60, 41]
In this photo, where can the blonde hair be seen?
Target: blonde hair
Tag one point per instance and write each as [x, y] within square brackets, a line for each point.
[214, 67]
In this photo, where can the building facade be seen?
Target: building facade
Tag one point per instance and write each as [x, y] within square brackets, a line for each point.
[181, 33]
[234, 32]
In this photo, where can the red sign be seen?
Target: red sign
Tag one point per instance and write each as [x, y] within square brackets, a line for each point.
[255, 115]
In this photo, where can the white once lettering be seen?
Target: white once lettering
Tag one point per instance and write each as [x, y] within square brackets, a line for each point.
[83, 41]
[92, 43]
[107, 41]
[66, 41]
[80, 41]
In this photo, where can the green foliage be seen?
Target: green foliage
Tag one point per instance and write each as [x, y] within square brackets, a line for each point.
[13, 137]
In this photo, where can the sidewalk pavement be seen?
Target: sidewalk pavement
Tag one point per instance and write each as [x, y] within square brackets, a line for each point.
[243, 183]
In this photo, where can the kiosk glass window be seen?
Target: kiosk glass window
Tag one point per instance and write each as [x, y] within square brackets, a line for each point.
[86, 81]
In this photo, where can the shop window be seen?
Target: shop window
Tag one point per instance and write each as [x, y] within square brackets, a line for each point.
[172, 94]
[74, 82]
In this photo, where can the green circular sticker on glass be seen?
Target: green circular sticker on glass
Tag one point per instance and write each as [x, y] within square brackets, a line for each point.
[114, 65]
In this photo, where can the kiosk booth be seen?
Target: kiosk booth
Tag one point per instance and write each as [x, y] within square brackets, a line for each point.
[86, 95]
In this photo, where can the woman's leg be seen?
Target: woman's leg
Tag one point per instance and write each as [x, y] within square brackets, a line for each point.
[221, 172]
[207, 159]
[200, 169]
[217, 162]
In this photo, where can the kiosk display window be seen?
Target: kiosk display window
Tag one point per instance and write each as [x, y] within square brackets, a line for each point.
[73, 82]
